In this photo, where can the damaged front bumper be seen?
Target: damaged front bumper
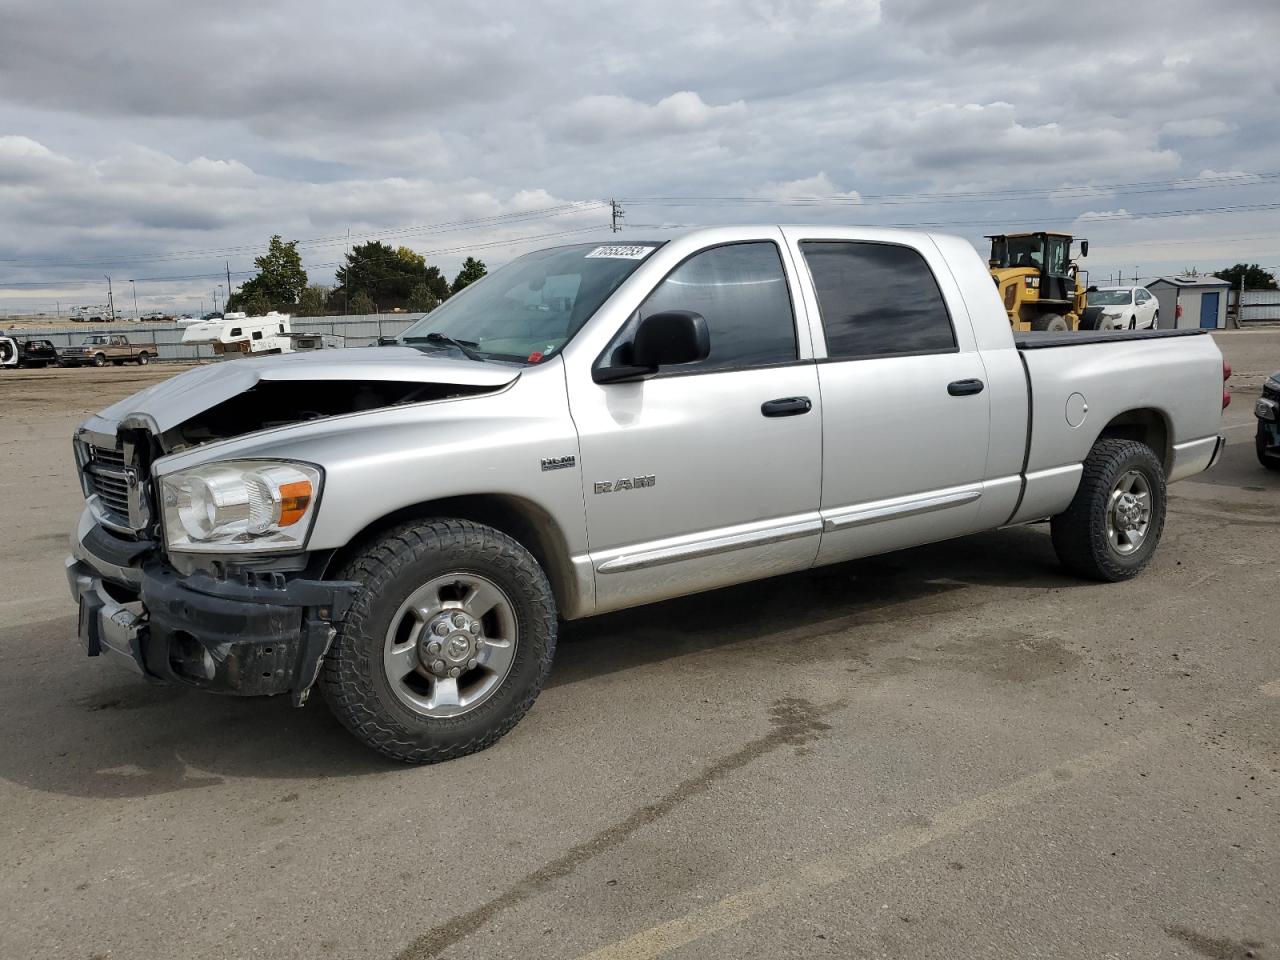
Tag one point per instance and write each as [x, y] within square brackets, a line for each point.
[249, 632]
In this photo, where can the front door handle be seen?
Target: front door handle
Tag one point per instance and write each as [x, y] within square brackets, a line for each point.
[786, 407]
[965, 388]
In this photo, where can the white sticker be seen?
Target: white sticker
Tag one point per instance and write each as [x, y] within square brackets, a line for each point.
[618, 252]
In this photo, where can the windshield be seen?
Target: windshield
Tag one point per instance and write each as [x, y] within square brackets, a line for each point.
[1109, 298]
[1024, 251]
[92, 340]
[530, 308]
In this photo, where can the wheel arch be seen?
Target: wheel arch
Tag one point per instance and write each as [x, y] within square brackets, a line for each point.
[525, 521]
[1147, 425]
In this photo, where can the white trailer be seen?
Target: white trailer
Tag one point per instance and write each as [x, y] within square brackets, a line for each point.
[239, 333]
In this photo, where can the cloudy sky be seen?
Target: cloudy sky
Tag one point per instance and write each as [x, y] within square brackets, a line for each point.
[154, 144]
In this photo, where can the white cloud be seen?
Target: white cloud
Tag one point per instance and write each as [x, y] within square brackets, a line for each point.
[1197, 127]
[808, 188]
[603, 117]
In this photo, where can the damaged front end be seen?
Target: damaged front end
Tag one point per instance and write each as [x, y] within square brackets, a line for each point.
[239, 615]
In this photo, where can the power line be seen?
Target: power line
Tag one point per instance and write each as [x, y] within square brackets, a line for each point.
[1077, 191]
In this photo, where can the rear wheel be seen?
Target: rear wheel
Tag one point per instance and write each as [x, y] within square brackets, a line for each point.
[447, 645]
[1050, 321]
[1114, 522]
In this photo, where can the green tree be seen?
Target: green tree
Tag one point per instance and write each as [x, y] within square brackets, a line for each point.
[362, 303]
[280, 278]
[437, 283]
[313, 300]
[383, 273]
[472, 270]
[1254, 277]
[421, 299]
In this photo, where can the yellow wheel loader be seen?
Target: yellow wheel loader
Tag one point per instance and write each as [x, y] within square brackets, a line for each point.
[1038, 280]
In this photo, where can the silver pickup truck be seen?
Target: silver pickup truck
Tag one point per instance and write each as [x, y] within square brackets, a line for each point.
[598, 426]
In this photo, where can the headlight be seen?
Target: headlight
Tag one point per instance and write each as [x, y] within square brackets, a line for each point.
[239, 506]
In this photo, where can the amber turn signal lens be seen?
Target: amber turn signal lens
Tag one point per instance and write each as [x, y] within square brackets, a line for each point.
[294, 500]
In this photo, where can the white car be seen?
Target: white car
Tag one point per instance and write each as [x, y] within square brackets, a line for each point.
[1126, 308]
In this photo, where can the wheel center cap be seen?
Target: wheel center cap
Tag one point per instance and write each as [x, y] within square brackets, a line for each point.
[450, 643]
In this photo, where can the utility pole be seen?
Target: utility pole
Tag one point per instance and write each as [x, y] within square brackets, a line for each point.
[215, 301]
[111, 303]
[616, 213]
[134, 287]
[224, 302]
[1135, 274]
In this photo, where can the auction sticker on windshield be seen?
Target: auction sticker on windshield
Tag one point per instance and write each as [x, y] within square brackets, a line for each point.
[618, 252]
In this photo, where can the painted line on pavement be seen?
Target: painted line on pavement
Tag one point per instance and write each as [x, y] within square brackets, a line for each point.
[803, 882]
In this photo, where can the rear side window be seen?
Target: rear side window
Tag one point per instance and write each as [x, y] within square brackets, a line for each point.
[877, 299]
[742, 292]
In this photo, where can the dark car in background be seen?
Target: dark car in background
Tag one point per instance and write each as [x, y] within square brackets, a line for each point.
[36, 353]
[18, 352]
[1267, 410]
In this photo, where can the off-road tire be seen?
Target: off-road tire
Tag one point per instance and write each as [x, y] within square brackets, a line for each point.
[1080, 532]
[1268, 460]
[99, 359]
[353, 680]
[1050, 321]
[144, 358]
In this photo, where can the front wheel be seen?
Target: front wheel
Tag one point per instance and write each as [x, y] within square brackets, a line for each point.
[447, 645]
[143, 359]
[99, 359]
[1114, 522]
[1155, 320]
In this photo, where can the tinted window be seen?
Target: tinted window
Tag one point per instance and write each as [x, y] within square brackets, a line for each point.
[877, 299]
[741, 290]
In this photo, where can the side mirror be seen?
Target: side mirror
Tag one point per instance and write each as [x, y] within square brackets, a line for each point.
[387, 341]
[1084, 248]
[661, 340]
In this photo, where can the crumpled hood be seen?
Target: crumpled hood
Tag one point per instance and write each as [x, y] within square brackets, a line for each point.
[180, 398]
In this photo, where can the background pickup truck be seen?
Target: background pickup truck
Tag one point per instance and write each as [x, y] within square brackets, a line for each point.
[593, 427]
[104, 348]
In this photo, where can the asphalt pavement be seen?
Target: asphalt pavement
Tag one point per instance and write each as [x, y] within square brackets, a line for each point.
[954, 751]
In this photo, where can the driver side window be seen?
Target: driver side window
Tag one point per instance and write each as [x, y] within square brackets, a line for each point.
[740, 289]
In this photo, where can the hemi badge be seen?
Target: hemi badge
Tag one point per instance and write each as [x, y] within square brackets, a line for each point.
[558, 463]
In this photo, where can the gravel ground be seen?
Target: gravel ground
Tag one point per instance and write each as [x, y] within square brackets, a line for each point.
[954, 751]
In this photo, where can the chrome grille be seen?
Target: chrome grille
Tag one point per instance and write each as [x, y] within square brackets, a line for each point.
[108, 478]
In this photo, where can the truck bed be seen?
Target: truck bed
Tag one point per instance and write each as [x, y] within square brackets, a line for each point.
[1040, 339]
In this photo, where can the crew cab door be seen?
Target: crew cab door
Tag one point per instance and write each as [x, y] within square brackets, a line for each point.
[904, 396]
[706, 473]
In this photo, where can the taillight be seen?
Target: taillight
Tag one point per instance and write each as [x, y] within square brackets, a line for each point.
[1226, 375]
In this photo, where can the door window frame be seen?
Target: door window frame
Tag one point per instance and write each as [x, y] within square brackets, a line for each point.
[602, 359]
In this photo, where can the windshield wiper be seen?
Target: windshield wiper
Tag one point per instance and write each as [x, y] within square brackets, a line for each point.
[465, 346]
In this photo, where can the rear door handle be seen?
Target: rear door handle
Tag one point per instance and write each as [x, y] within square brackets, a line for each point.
[965, 388]
[786, 407]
